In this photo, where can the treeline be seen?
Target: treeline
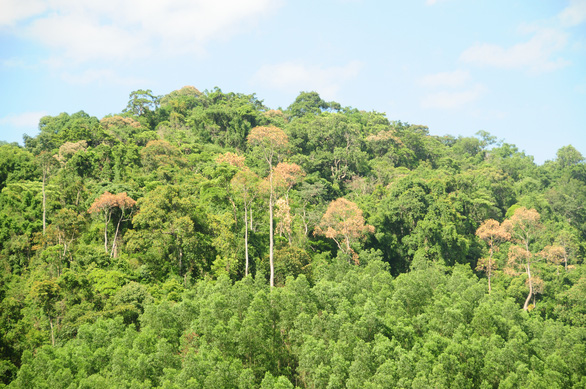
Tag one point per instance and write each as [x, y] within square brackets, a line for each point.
[203, 239]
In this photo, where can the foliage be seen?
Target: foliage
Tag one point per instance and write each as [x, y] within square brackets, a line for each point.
[135, 251]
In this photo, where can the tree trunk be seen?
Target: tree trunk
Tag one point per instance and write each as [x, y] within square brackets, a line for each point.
[113, 253]
[106, 233]
[526, 305]
[44, 202]
[52, 332]
[271, 239]
[246, 239]
[180, 259]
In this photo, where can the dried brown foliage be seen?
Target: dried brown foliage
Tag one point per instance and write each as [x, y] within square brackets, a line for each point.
[231, 159]
[343, 222]
[68, 149]
[119, 121]
[285, 175]
[108, 201]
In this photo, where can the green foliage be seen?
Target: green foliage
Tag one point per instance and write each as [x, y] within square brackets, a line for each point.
[167, 303]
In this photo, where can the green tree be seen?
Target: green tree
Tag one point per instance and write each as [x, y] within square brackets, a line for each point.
[170, 231]
[46, 294]
[142, 102]
[46, 163]
[310, 103]
[568, 156]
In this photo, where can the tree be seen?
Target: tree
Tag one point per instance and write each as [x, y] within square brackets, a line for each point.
[169, 231]
[142, 102]
[46, 294]
[271, 142]
[523, 227]
[492, 233]
[46, 162]
[555, 255]
[64, 230]
[568, 156]
[310, 103]
[343, 222]
[245, 183]
[106, 204]
[286, 175]
[569, 242]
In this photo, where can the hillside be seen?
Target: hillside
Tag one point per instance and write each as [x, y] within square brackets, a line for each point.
[202, 239]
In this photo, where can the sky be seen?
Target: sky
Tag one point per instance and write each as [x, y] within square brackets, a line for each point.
[516, 69]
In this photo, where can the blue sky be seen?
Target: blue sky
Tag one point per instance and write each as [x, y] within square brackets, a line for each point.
[516, 69]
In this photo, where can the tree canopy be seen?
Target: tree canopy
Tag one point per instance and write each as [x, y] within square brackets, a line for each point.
[202, 239]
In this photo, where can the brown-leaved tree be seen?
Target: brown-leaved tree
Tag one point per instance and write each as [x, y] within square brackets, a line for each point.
[523, 227]
[343, 222]
[270, 142]
[106, 204]
[492, 233]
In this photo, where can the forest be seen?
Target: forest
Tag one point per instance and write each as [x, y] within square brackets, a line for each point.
[205, 240]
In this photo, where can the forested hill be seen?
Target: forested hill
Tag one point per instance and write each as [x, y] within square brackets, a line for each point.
[204, 240]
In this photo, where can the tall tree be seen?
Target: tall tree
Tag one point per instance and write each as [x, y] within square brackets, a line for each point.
[523, 227]
[142, 102]
[271, 142]
[245, 182]
[343, 222]
[46, 162]
[286, 175]
[46, 294]
[492, 233]
[106, 204]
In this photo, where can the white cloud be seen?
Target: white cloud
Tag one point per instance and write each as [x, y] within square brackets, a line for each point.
[129, 29]
[573, 14]
[453, 99]
[23, 120]
[537, 55]
[453, 79]
[14, 11]
[295, 77]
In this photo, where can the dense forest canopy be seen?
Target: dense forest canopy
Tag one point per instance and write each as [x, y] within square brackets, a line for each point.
[203, 239]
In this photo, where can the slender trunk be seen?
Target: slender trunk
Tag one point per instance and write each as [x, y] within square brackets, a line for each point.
[44, 202]
[526, 305]
[180, 259]
[106, 233]
[271, 239]
[52, 332]
[235, 211]
[246, 239]
[113, 253]
[491, 243]
[290, 219]
[348, 244]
